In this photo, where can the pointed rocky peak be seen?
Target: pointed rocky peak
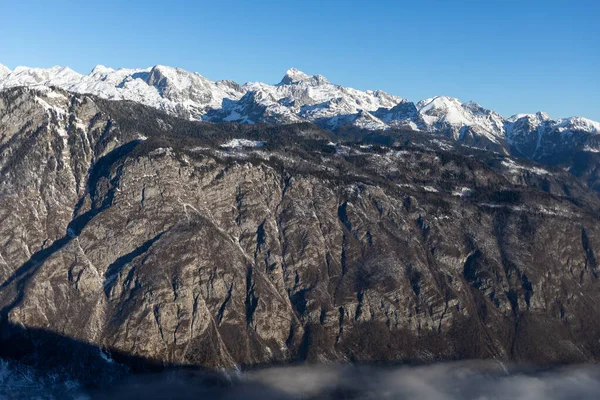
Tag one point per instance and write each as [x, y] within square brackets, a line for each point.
[385, 97]
[165, 78]
[542, 116]
[159, 73]
[473, 106]
[479, 111]
[539, 117]
[516, 117]
[4, 71]
[233, 85]
[101, 70]
[294, 75]
[438, 103]
[166, 70]
[366, 120]
[177, 78]
[453, 109]
[442, 108]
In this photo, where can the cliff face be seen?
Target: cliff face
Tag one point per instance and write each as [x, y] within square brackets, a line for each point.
[139, 233]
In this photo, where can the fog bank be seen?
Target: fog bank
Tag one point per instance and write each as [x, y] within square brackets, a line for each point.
[445, 381]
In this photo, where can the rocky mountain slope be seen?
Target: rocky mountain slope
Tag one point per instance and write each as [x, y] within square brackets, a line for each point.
[143, 236]
[299, 97]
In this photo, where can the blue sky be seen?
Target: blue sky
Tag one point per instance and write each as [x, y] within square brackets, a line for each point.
[510, 56]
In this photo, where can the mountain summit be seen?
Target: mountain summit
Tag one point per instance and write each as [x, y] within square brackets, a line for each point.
[293, 75]
[4, 71]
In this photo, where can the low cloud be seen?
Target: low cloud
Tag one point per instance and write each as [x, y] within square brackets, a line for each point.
[447, 381]
[476, 380]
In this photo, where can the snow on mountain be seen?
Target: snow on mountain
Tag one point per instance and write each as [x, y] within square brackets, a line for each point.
[257, 105]
[368, 121]
[190, 88]
[537, 136]
[448, 114]
[121, 84]
[522, 130]
[578, 124]
[540, 116]
[55, 76]
[241, 143]
[4, 71]
[293, 75]
[302, 97]
[172, 90]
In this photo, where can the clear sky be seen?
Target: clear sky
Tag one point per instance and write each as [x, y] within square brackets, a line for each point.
[510, 56]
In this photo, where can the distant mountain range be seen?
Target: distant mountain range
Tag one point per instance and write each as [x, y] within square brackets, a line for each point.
[300, 97]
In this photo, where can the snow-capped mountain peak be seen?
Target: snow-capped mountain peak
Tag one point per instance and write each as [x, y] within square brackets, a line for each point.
[55, 76]
[538, 117]
[439, 102]
[4, 71]
[301, 97]
[101, 69]
[448, 115]
[539, 137]
[542, 116]
[542, 121]
[293, 75]
[578, 124]
[191, 88]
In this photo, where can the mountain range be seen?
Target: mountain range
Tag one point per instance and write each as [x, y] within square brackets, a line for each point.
[300, 97]
[154, 218]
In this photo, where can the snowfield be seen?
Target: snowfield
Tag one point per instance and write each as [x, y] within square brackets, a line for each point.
[241, 143]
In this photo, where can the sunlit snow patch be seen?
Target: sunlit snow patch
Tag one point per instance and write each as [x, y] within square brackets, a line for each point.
[462, 192]
[160, 151]
[240, 143]
[515, 168]
[591, 149]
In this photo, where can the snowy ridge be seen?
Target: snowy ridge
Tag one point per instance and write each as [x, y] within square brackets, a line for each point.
[172, 90]
[578, 124]
[537, 136]
[447, 113]
[4, 71]
[302, 97]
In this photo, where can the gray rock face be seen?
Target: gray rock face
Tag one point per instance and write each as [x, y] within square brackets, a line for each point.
[136, 232]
